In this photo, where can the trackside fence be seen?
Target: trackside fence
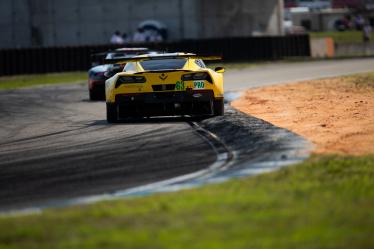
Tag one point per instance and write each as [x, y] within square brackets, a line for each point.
[62, 59]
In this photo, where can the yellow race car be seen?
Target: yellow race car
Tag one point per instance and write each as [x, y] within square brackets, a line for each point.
[167, 84]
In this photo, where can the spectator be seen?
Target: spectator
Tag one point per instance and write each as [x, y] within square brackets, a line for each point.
[366, 32]
[347, 21]
[116, 38]
[339, 25]
[125, 38]
[155, 36]
[359, 22]
[139, 36]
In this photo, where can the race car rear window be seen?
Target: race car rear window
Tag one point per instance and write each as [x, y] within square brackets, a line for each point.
[163, 64]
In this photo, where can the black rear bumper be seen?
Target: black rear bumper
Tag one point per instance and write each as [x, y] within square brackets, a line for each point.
[165, 103]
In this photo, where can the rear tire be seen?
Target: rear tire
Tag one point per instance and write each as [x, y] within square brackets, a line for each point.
[93, 95]
[96, 94]
[219, 107]
[111, 113]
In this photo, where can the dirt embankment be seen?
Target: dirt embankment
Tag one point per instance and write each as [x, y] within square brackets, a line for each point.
[336, 114]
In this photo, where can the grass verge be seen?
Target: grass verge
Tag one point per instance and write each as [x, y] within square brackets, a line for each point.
[364, 81]
[20, 81]
[341, 37]
[325, 202]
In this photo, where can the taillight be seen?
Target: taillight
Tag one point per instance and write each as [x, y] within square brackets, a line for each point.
[197, 76]
[129, 80]
[99, 74]
[96, 75]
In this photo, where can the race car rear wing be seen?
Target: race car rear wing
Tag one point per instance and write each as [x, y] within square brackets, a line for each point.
[125, 60]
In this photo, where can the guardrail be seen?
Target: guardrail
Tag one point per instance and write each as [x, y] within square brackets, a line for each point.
[61, 59]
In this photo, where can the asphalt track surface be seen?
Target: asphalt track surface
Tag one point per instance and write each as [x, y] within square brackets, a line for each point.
[55, 144]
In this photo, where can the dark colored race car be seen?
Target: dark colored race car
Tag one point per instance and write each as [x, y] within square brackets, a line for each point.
[97, 74]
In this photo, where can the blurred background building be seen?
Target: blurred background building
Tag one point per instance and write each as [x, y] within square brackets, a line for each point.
[45, 23]
[321, 4]
[328, 15]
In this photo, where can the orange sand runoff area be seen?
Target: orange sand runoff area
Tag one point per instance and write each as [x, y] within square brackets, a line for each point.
[336, 114]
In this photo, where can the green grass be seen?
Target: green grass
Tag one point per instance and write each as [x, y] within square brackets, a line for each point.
[341, 37]
[325, 202]
[20, 81]
[362, 80]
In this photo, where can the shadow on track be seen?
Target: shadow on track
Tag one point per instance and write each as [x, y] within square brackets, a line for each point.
[151, 120]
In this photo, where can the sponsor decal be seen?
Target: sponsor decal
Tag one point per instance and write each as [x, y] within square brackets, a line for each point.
[198, 85]
[179, 86]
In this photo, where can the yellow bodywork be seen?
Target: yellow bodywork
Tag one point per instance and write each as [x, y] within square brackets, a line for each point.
[165, 78]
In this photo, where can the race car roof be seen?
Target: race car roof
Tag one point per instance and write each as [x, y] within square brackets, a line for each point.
[122, 51]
